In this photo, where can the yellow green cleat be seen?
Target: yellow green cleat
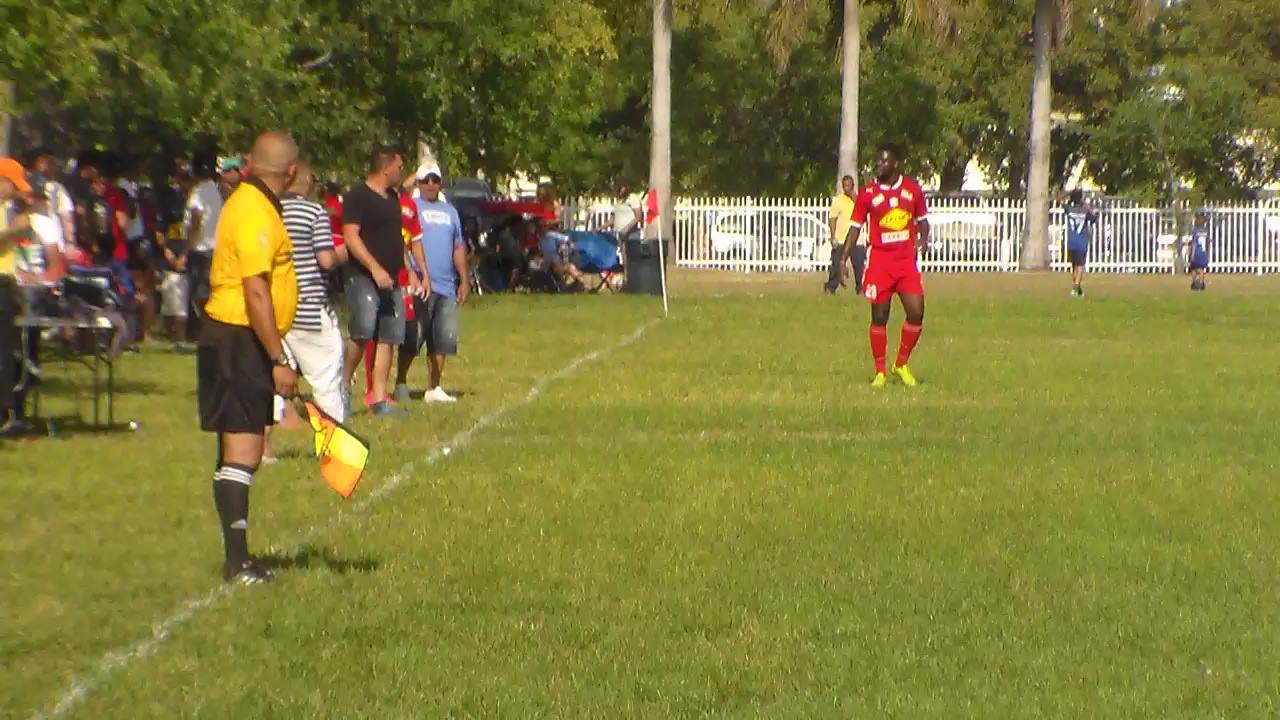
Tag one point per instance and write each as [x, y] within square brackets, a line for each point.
[904, 374]
[879, 381]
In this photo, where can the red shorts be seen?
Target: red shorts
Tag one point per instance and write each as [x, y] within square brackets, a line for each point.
[889, 272]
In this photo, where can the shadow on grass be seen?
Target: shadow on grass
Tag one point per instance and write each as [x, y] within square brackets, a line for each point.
[295, 454]
[66, 426]
[312, 558]
[57, 386]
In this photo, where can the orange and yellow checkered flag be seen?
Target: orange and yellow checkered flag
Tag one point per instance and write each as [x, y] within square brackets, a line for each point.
[342, 455]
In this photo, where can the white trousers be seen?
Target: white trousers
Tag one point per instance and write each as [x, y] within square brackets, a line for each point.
[318, 354]
[175, 294]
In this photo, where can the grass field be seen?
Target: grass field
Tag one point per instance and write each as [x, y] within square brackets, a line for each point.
[1075, 516]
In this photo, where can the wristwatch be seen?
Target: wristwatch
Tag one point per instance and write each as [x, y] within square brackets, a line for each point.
[282, 360]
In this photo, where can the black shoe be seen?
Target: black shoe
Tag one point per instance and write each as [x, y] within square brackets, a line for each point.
[246, 573]
[12, 427]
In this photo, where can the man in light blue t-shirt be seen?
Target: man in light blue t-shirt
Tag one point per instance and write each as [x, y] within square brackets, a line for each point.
[446, 255]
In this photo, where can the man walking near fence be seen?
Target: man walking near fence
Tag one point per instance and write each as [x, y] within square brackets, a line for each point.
[241, 363]
[840, 220]
[1080, 220]
[1199, 260]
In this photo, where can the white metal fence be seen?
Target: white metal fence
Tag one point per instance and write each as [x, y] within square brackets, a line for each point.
[968, 235]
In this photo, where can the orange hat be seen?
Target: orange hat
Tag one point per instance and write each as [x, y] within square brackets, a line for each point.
[13, 171]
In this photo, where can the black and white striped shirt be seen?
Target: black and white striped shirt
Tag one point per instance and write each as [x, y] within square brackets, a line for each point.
[308, 227]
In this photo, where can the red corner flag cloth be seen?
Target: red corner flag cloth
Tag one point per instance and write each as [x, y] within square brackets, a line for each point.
[652, 208]
[343, 456]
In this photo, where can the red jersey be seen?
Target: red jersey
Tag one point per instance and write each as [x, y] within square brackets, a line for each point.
[892, 212]
[410, 230]
[333, 205]
[115, 200]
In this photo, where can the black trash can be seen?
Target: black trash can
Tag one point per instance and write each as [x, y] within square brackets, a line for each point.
[644, 272]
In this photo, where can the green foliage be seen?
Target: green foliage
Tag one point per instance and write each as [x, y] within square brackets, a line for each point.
[561, 87]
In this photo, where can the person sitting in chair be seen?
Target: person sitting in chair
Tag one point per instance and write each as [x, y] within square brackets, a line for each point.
[560, 257]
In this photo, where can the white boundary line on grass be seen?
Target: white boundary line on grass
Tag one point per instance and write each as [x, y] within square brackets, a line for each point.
[116, 660]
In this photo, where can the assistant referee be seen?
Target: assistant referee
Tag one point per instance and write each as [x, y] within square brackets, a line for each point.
[241, 362]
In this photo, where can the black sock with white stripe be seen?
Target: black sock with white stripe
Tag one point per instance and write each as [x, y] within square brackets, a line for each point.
[231, 496]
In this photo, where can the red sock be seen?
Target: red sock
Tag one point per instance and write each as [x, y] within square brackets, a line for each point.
[369, 349]
[910, 336]
[879, 345]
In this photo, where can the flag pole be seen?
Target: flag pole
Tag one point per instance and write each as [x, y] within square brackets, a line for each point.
[652, 212]
[662, 269]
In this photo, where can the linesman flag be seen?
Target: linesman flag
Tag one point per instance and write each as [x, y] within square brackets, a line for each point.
[343, 456]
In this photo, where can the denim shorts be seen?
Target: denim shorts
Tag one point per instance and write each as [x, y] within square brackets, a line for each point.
[376, 314]
[441, 325]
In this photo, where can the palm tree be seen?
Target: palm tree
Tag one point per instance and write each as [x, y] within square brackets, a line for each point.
[1049, 30]
[660, 139]
[787, 26]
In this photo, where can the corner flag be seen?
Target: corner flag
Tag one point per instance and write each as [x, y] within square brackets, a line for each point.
[652, 213]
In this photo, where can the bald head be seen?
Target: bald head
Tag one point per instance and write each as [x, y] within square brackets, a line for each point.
[274, 153]
[302, 179]
[273, 160]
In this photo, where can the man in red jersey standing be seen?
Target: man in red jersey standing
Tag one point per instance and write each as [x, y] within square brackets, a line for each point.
[892, 211]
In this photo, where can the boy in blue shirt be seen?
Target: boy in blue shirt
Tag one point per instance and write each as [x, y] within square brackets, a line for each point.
[1199, 250]
[1080, 221]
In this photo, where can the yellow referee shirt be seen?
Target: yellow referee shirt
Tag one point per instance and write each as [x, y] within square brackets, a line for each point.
[251, 240]
[842, 213]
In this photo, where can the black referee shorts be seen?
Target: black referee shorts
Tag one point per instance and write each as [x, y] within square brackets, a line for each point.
[233, 380]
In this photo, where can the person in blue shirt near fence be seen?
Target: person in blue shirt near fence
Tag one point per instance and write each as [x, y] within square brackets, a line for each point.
[1080, 221]
[1199, 264]
[448, 269]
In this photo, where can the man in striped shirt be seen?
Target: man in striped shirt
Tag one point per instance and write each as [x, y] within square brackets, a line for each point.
[315, 339]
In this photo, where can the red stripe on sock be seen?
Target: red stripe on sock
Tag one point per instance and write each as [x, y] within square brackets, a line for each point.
[879, 345]
[910, 336]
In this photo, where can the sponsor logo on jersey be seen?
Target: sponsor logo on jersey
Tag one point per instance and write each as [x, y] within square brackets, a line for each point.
[896, 219]
[877, 201]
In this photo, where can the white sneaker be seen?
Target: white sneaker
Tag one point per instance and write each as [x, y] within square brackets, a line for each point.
[438, 395]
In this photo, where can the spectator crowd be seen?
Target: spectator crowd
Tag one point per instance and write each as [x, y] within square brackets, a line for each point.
[392, 248]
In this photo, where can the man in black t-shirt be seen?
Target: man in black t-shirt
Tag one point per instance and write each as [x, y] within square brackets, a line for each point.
[371, 232]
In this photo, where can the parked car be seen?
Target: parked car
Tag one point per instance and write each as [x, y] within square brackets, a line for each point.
[789, 237]
[964, 235]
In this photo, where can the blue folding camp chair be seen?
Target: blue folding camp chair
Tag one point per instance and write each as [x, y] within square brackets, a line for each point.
[598, 255]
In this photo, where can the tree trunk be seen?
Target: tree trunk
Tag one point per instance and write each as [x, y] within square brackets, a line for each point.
[952, 177]
[1035, 243]
[660, 146]
[851, 46]
[6, 116]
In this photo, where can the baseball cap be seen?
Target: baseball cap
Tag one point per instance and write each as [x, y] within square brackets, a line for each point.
[13, 171]
[230, 163]
[427, 171]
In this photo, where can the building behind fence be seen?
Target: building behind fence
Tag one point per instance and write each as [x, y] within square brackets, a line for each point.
[968, 235]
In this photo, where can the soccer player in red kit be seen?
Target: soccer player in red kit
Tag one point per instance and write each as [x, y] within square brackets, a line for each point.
[892, 212]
